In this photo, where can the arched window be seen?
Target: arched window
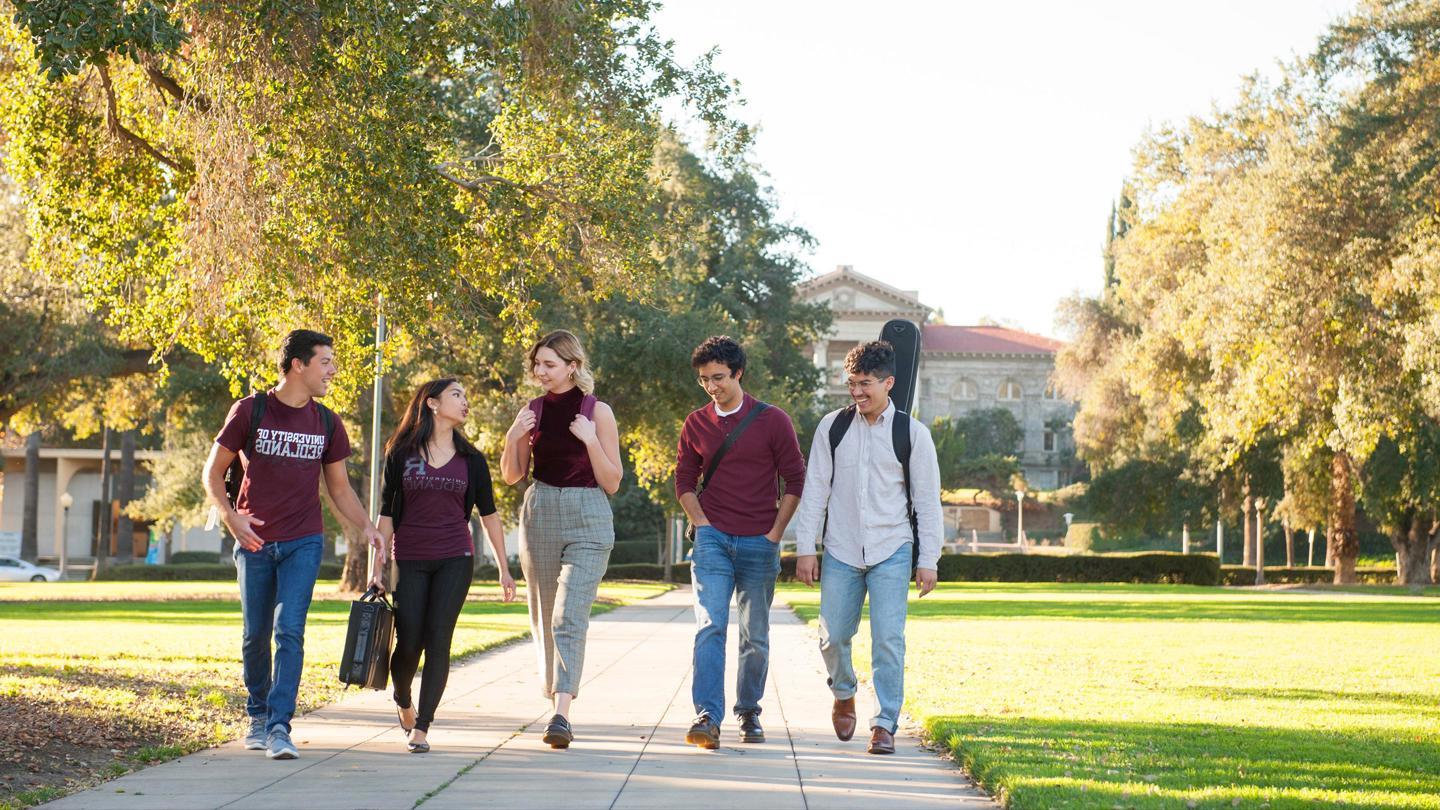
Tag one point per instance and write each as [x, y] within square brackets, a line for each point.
[1052, 391]
[965, 388]
[1010, 391]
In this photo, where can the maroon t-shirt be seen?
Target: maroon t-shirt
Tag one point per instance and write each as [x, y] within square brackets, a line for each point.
[433, 525]
[561, 460]
[282, 475]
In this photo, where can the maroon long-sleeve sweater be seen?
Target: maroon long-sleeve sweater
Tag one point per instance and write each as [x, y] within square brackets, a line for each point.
[740, 497]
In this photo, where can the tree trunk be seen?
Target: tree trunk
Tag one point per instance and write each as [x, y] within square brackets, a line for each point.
[30, 519]
[1259, 541]
[102, 534]
[1412, 547]
[1344, 539]
[124, 493]
[1289, 544]
[1247, 553]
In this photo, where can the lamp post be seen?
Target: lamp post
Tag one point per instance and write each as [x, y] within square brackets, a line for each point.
[1020, 517]
[377, 403]
[66, 501]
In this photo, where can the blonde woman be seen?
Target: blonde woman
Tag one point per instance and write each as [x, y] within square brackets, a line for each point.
[566, 527]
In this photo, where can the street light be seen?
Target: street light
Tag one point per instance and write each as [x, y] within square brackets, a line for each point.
[1020, 517]
[66, 501]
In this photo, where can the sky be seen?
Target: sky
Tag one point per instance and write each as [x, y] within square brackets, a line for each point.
[971, 151]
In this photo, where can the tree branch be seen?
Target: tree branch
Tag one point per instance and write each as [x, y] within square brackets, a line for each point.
[112, 121]
[169, 85]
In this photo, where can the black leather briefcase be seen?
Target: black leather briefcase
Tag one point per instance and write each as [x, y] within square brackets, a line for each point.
[366, 661]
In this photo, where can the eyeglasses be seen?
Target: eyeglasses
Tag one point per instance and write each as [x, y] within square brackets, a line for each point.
[713, 379]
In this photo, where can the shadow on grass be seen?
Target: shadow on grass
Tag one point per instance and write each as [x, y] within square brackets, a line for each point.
[1416, 704]
[201, 612]
[1042, 763]
[1292, 610]
[1287, 609]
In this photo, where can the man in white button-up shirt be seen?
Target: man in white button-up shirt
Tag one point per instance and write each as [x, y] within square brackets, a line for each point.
[855, 494]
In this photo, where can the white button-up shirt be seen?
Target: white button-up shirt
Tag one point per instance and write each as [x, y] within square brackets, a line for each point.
[866, 502]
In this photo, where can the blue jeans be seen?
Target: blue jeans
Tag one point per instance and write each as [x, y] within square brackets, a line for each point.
[276, 584]
[842, 595]
[720, 565]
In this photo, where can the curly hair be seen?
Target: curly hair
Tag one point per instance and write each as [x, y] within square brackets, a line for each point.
[719, 349]
[876, 357]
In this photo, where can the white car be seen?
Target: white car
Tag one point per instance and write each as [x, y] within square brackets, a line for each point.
[13, 570]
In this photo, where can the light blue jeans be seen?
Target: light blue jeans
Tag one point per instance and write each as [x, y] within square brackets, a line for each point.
[276, 584]
[746, 566]
[842, 596]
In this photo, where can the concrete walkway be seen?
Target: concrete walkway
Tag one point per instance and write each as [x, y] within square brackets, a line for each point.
[630, 721]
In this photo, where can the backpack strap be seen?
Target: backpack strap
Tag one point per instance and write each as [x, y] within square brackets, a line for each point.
[235, 473]
[730, 439]
[257, 415]
[900, 439]
[537, 407]
[838, 429]
[328, 421]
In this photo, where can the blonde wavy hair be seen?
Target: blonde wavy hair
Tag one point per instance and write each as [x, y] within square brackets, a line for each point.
[565, 344]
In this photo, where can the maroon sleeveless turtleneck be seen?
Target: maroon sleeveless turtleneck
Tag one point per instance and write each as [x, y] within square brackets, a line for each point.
[560, 459]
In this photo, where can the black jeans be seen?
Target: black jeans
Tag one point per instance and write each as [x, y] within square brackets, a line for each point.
[428, 598]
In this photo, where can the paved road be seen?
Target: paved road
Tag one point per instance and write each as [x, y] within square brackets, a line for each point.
[629, 752]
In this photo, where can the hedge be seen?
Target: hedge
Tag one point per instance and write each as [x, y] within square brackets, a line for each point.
[1245, 575]
[679, 571]
[489, 573]
[1179, 569]
[1166, 568]
[187, 557]
[189, 572]
[634, 551]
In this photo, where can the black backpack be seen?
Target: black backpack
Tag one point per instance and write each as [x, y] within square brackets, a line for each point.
[900, 438]
[235, 473]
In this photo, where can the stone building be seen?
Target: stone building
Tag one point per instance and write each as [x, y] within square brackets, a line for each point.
[962, 368]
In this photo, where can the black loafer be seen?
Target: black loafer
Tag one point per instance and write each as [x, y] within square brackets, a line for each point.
[704, 733]
[558, 733]
[750, 730]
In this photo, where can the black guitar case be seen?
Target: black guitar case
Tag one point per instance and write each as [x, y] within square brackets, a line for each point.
[905, 337]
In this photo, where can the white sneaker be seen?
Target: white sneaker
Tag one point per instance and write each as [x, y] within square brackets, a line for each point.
[280, 746]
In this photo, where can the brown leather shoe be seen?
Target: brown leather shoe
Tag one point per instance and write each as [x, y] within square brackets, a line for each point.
[881, 741]
[842, 715]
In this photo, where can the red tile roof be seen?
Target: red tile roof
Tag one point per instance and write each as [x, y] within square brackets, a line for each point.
[985, 340]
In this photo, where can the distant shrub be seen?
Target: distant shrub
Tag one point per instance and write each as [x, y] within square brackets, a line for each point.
[1245, 575]
[186, 557]
[679, 571]
[634, 551]
[1166, 568]
[189, 572]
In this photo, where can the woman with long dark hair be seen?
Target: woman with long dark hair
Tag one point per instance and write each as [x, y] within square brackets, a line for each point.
[566, 527]
[434, 478]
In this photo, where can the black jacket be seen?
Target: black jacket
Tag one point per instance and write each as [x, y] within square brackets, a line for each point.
[478, 492]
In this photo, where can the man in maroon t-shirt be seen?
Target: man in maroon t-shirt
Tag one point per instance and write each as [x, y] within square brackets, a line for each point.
[277, 525]
[738, 524]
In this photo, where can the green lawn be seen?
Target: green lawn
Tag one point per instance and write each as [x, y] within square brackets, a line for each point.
[100, 678]
[1170, 696]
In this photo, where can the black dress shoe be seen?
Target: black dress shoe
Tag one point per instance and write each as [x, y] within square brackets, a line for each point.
[559, 734]
[750, 730]
[704, 733]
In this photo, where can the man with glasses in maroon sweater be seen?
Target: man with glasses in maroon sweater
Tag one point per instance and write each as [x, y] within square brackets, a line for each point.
[738, 523]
